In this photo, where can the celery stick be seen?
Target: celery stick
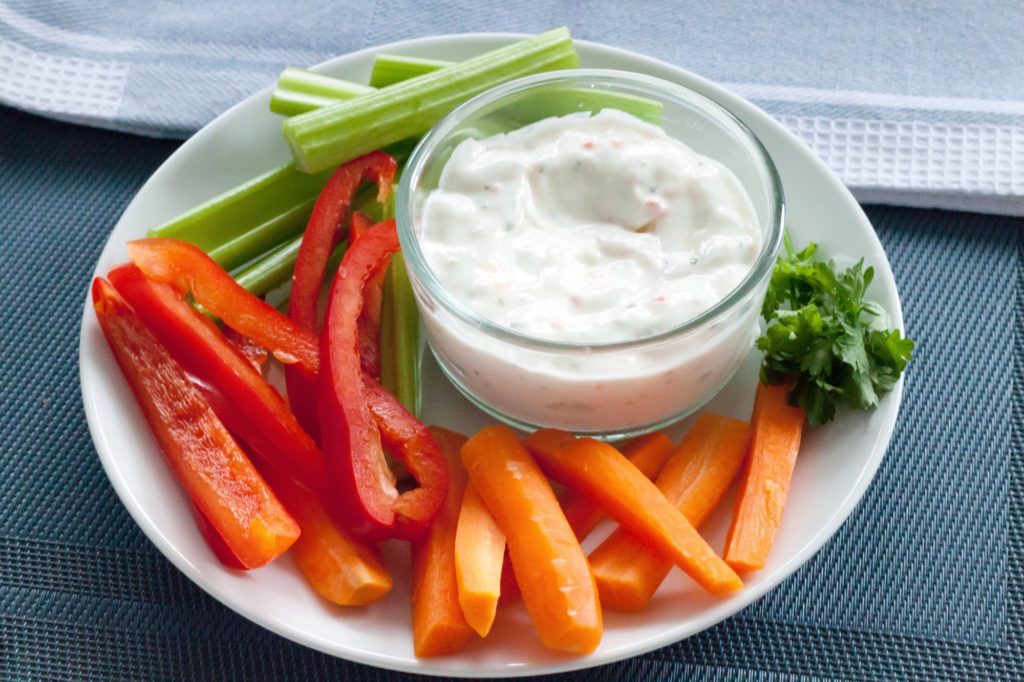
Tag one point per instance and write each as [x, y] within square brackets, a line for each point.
[561, 101]
[389, 69]
[263, 238]
[247, 224]
[271, 271]
[246, 221]
[331, 135]
[241, 209]
[274, 269]
[250, 220]
[294, 102]
[400, 338]
[300, 90]
[304, 80]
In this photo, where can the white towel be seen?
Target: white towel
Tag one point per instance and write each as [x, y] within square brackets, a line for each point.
[919, 104]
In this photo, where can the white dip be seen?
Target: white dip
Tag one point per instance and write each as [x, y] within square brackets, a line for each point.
[589, 229]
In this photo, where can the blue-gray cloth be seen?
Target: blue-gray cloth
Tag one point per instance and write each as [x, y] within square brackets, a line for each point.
[924, 582]
[912, 103]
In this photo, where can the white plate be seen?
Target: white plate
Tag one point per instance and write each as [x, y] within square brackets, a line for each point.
[836, 463]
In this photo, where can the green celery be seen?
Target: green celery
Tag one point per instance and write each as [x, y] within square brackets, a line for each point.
[245, 222]
[567, 100]
[270, 271]
[300, 90]
[263, 238]
[304, 80]
[389, 69]
[242, 209]
[400, 338]
[294, 102]
[334, 134]
[274, 269]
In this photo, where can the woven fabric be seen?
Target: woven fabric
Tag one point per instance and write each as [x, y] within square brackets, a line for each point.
[910, 103]
[923, 582]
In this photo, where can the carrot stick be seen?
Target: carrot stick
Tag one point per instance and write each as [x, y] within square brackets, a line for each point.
[777, 428]
[341, 568]
[602, 473]
[694, 479]
[479, 554]
[557, 587]
[647, 453]
[548, 440]
[439, 627]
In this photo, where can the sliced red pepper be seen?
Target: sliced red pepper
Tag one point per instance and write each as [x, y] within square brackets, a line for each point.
[358, 224]
[185, 267]
[322, 234]
[373, 296]
[215, 541]
[411, 443]
[351, 438]
[251, 407]
[247, 348]
[209, 464]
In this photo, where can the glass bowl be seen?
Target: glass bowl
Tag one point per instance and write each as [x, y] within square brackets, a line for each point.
[607, 390]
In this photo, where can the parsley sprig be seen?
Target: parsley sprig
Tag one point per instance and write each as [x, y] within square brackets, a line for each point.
[823, 333]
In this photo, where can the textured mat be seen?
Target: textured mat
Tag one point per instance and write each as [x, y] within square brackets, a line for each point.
[923, 582]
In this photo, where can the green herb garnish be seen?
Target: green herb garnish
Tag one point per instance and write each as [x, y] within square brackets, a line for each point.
[824, 334]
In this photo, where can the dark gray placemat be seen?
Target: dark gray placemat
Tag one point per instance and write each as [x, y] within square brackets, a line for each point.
[923, 582]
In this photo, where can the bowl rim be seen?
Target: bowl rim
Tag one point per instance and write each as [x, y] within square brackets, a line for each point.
[424, 275]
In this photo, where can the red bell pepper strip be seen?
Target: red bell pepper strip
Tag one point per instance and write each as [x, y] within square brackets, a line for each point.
[358, 224]
[188, 269]
[411, 443]
[247, 348]
[215, 541]
[373, 295]
[205, 459]
[321, 236]
[351, 438]
[250, 407]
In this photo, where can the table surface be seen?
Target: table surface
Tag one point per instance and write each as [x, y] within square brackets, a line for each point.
[924, 581]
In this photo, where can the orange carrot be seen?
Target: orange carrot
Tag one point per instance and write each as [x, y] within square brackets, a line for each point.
[694, 479]
[341, 568]
[547, 440]
[602, 473]
[479, 554]
[647, 453]
[557, 587]
[777, 428]
[438, 625]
